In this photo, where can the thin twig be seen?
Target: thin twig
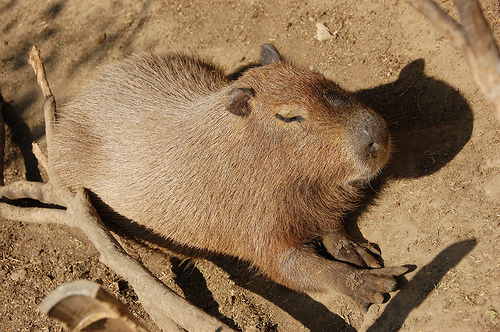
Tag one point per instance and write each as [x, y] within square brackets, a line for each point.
[49, 107]
[32, 214]
[40, 156]
[36, 61]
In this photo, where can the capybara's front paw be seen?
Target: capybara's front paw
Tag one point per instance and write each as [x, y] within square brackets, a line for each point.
[370, 285]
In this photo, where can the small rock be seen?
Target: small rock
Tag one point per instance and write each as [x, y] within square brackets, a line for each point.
[18, 275]
[322, 32]
[492, 188]
[493, 163]
[492, 314]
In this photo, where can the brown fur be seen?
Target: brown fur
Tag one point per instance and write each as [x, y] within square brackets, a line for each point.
[171, 144]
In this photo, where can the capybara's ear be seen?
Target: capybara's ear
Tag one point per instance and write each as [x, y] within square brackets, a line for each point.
[239, 101]
[269, 54]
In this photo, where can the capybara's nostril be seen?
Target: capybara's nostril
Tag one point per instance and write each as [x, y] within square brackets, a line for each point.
[371, 140]
[372, 148]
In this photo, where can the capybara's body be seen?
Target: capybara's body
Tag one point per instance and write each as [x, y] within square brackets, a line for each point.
[255, 168]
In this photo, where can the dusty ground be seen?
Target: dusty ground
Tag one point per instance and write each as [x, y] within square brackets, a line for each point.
[436, 206]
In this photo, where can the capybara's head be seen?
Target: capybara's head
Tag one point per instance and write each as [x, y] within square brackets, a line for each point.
[321, 129]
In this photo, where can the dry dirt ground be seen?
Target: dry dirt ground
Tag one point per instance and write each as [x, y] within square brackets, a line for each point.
[436, 206]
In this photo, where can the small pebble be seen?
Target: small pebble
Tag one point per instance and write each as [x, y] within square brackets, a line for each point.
[493, 163]
[18, 275]
[322, 32]
[492, 188]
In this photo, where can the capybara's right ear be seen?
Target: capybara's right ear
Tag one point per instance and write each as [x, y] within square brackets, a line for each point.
[239, 101]
[269, 54]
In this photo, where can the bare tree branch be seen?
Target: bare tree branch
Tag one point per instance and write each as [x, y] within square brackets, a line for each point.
[43, 192]
[474, 38]
[476, 29]
[441, 21]
[32, 214]
[165, 307]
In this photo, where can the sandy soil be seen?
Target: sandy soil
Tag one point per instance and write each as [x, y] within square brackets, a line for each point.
[436, 206]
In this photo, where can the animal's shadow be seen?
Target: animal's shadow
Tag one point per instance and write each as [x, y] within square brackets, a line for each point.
[429, 122]
[428, 119]
[416, 291]
[312, 314]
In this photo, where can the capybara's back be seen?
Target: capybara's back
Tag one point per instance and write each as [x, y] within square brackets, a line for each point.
[255, 168]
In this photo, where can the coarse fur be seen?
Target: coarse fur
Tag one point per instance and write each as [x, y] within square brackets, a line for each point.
[255, 168]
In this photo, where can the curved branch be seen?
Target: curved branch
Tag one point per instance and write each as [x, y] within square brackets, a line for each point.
[474, 38]
[32, 214]
[43, 192]
[441, 21]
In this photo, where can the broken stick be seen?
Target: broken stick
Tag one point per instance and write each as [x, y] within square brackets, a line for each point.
[83, 305]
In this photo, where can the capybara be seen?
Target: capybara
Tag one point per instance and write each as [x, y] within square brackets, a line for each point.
[256, 168]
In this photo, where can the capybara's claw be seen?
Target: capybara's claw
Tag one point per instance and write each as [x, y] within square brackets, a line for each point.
[373, 284]
[345, 249]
